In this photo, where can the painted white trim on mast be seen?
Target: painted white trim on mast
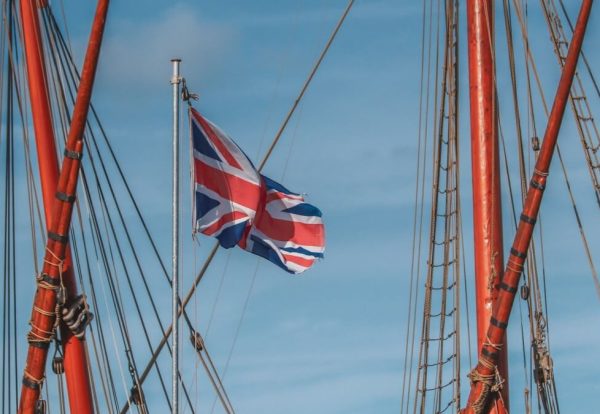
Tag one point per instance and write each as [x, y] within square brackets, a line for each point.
[175, 81]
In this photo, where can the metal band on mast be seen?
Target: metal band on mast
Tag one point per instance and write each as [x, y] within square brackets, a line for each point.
[175, 81]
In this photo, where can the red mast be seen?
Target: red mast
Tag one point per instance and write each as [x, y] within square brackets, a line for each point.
[58, 211]
[485, 165]
[483, 375]
[76, 369]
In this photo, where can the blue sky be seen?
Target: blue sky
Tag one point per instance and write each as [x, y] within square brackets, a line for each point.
[332, 340]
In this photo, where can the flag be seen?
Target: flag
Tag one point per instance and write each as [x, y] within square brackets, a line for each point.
[236, 204]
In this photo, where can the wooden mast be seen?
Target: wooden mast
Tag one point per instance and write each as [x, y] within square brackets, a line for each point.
[53, 273]
[485, 166]
[75, 363]
[483, 375]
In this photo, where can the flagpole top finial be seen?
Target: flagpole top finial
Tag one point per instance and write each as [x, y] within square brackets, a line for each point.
[176, 60]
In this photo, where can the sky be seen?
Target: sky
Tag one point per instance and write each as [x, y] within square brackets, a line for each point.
[332, 340]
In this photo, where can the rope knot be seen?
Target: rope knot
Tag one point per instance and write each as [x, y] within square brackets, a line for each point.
[498, 381]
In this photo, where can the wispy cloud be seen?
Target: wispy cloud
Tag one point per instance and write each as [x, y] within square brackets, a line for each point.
[136, 54]
[301, 13]
[321, 371]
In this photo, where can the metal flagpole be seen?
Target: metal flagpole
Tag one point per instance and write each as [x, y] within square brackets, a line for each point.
[175, 81]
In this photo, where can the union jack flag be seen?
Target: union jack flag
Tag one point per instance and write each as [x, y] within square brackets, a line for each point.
[236, 204]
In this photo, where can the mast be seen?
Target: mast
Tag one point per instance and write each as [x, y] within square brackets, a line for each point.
[175, 81]
[485, 166]
[51, 280]
[74, 349]
[483, 375]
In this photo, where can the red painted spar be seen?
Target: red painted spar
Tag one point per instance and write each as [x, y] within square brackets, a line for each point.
[483, 374]
[58, 217]
[485, 167]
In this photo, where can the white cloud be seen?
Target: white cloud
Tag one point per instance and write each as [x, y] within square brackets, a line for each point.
[136, 54]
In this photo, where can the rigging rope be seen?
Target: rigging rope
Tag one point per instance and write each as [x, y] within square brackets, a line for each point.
[239, 326]
[9, 322]
[531, 272]
[443, 271]
[419, 195]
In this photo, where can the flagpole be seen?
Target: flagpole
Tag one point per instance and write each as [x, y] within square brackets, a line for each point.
[175, 81]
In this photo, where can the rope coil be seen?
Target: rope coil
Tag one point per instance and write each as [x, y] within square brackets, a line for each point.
[38, 335]
[493, 382]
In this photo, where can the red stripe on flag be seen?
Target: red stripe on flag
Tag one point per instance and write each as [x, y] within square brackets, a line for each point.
[216, 140]
[299, 233]
[216, 226]
[298, 260]
[228, 186]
